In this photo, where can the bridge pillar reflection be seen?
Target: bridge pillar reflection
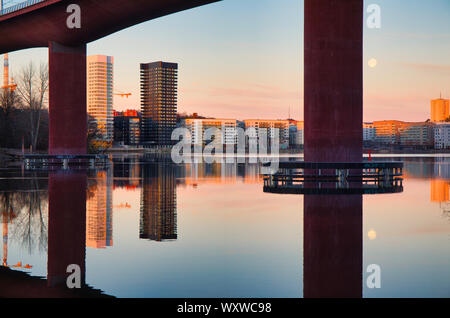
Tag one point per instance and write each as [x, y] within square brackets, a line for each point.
[66, 225]
[67, 99]
[333, 80]
[332, 246]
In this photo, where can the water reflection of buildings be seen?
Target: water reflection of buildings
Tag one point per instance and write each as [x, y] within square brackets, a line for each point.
[220, 173]
[439, 190]
[437, 170]
[126, 172]
[99, 212]
[158, 219]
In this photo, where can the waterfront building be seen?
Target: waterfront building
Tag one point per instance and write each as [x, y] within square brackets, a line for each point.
[419, 134]
[395, 132]
[127, 127]
[296, 133]
[100, 85]
[387, 131]
[369, 132]
[442, 135]
[227, 129]
[269, 127]
[439, 109]
[158, 103]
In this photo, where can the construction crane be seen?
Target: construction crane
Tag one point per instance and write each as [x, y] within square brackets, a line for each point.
[121, 94]
[6, 84]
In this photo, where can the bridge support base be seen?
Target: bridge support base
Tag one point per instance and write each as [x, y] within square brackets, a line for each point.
[67, 100]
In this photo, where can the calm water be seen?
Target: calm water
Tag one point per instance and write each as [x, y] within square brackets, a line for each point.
[159, 230]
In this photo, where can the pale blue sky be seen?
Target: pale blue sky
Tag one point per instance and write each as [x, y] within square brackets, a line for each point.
[244, 58]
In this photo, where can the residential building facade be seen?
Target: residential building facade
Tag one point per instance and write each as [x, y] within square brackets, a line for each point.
[269, 128]
[158, 103]
[100, 86]
[442, 136]
[227, 128]
[127, 127]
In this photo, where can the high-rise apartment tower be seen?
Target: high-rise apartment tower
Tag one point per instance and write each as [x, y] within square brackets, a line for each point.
[100, 86]
[158, 103]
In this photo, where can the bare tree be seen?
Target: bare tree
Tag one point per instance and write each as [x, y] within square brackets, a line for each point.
[32, 87]
[9, 102]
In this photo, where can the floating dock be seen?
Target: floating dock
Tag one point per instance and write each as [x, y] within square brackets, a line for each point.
[298, 177]
[65, 162]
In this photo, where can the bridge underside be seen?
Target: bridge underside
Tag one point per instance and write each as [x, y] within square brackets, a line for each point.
[37, 25]
[45, 25]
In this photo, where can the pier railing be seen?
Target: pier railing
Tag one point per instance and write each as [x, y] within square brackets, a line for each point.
[329, 178]
[65, 162]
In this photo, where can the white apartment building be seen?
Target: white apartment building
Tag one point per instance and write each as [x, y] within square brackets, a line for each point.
[296, 134]
[100, 87]
[442, 135]
[369, 132]
[270, 127]
[227, 127]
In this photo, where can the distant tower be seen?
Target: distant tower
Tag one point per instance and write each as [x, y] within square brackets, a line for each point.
[158, 102]
[100, 85]
[439, 109]
[6, 71]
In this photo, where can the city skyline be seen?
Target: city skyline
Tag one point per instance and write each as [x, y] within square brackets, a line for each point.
[410, 49]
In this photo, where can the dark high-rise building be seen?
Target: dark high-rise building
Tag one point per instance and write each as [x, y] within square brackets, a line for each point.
[158, 103]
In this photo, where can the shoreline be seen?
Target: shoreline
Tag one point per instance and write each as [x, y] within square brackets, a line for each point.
[13, 157]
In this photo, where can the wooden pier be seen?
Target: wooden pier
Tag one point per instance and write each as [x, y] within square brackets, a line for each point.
[298, 177]
[65, 162]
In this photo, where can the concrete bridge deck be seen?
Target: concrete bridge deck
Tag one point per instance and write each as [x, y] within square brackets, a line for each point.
[44, 21]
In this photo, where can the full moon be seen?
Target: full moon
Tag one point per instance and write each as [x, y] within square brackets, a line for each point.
[372, 63]
[372, 234]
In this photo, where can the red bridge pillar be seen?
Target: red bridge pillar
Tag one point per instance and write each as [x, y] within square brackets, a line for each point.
[333, 83]
[67, 99]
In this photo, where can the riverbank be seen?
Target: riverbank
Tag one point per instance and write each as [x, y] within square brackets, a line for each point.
[13, 157]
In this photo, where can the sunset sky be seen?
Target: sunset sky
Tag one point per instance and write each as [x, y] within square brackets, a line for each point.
[244, 59]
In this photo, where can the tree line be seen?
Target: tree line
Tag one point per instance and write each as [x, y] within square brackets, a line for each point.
[24, 110]
[24, 116]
